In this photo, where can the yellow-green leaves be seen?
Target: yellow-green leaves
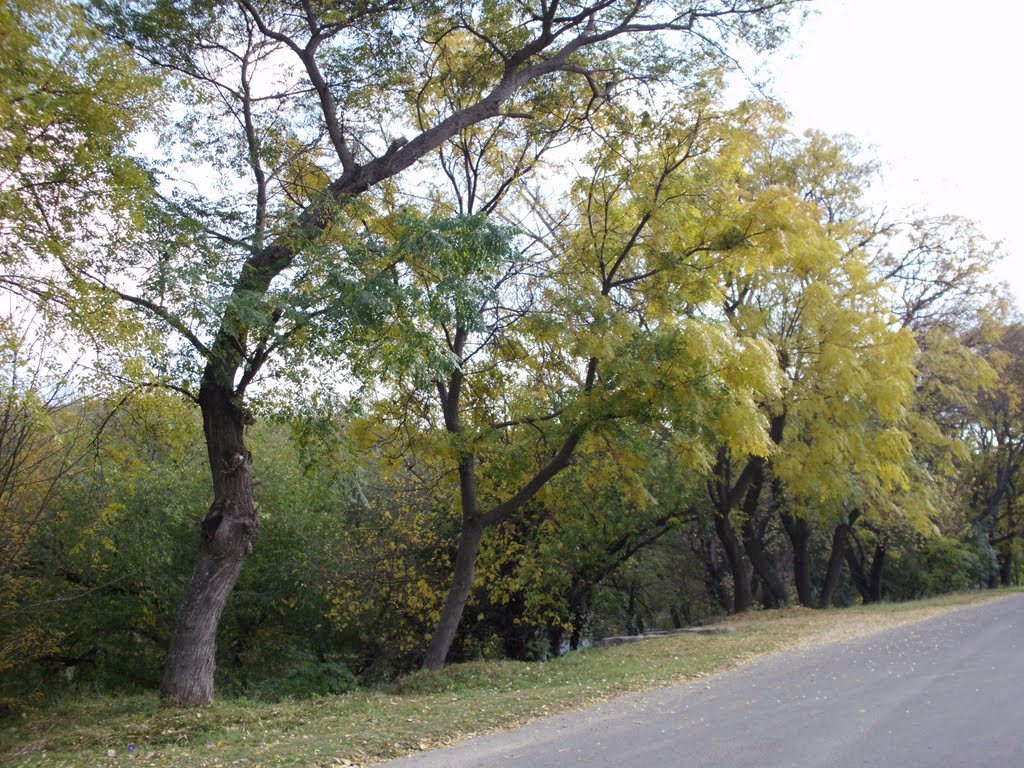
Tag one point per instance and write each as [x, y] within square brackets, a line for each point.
[71, 102]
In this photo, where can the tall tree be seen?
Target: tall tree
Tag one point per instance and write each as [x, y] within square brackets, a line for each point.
[811, 298]
[996, 434]
[936, 276]
[44, 435]
[71, 102]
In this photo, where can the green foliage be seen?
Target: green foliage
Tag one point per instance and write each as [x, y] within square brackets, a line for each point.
[445, 272]
[43, 437]
[277, 667]
[937, 566]
[116, 553]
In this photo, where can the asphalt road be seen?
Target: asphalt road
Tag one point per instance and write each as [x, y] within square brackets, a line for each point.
[945, 692]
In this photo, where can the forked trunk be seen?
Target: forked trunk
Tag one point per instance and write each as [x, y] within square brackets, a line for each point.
[473, 522]
[763, 566]
[225, 541]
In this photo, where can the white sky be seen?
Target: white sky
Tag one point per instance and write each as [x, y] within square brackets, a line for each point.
[937, 88]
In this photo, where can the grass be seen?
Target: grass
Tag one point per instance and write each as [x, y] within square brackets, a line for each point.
[421, 710]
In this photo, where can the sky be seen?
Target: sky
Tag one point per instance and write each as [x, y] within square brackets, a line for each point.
[936, 89]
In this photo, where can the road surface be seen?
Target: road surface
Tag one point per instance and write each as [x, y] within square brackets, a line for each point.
[941, 693]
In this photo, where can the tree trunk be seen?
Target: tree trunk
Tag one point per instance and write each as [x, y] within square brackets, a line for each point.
[877, 564]
[867, 580]
[752, 542]
[677, 618]
[742, 595]
[776, 594]
[473, 522]
[579, 598]
[1003, 477]
[1005, 560]
[225, 541]
[555, 633]
[458, 594]
[714, 585]
[857, 574]
[834, 572]
[799, 537]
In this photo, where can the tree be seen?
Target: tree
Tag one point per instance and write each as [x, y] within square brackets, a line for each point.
[71, 103]
[623, 495]
[112, 558]
[305, 105]
[936, 275]
[996, 435]
[808, 295]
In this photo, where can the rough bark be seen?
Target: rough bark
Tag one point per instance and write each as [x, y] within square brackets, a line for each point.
[225, 541]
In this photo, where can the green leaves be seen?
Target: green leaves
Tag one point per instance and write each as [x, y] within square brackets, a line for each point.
[439, 278]
[454, 264]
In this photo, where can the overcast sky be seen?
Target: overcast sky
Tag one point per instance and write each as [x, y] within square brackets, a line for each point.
[936, 87]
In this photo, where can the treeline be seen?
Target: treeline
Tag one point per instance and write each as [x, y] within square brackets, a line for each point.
[357, 543]
[590, 352]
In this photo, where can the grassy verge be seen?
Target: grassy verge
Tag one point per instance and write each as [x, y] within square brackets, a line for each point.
[423, 709]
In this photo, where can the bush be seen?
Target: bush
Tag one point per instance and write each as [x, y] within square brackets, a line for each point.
[277, 665]
[941, 565]
[304, 676]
